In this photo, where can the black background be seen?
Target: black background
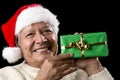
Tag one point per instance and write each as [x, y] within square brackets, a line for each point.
[76, 16]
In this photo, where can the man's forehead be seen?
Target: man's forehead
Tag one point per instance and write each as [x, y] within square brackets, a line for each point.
[40, 25]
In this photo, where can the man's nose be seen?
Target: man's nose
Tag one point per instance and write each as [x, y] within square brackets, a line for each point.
[40, 38]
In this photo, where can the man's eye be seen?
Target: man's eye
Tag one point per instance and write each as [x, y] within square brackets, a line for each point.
[29, 34]
[47, 31]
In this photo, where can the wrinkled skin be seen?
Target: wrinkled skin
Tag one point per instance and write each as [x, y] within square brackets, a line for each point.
[38, 43]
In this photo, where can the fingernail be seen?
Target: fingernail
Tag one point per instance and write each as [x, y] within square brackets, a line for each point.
[71, 55]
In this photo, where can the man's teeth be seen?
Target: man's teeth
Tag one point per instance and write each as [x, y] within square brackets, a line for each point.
[43, 49]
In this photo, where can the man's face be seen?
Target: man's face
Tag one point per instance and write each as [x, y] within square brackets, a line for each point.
[38, 42]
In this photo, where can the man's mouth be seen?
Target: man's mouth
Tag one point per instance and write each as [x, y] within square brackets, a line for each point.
[40, 50]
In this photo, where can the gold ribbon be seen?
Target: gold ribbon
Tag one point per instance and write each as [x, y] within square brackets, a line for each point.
[82, 46]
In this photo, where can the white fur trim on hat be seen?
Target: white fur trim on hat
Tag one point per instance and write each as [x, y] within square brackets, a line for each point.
[12, 54]
[33, 15]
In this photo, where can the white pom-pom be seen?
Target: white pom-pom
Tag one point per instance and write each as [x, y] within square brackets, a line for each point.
[12, 54]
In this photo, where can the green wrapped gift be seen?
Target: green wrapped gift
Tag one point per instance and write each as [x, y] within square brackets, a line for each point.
[85, 45]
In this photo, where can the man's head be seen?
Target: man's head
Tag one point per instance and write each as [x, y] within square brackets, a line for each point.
[26, 17]
[37, 41]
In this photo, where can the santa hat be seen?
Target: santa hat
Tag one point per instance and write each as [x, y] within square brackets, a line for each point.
[24, 16]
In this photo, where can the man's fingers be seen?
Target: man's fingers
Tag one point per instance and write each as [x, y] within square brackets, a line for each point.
[76, 33]
[62, 56]
[69, 70]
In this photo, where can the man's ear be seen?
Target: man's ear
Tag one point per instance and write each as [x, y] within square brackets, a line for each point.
[17, 43]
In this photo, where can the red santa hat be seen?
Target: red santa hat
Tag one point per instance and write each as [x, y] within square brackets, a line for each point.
[24, 16]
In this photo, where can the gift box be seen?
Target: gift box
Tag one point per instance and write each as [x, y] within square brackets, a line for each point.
[85, 45]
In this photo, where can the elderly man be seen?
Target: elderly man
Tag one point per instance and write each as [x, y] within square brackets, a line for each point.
[32, 34]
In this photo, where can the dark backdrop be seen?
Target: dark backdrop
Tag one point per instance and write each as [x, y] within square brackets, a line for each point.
[76, 16]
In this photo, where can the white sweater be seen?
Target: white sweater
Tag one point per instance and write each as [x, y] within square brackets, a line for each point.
[26, 72]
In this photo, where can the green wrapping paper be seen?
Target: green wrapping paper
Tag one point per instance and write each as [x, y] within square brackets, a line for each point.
[86, 45]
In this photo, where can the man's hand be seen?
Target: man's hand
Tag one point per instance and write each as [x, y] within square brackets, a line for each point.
[91, 65]
[56, 67]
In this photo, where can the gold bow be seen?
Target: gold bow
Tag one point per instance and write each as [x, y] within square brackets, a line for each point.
[82, 46]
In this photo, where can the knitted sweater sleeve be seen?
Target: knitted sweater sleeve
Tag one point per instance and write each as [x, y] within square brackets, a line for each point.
[103, 75]
[9, 73]
[82, 75]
